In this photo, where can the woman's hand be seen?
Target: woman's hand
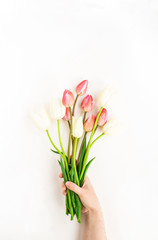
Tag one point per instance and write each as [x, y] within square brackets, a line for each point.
[94, 228]
[86, 193]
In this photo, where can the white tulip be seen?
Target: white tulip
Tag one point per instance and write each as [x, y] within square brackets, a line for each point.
[77, 127]
[111, 127]
[57, 109]
[41, 119]
[105, 96]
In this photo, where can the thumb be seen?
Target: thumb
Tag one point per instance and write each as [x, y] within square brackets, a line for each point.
[73, 187]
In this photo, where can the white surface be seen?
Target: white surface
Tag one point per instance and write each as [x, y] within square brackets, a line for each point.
[47, 46]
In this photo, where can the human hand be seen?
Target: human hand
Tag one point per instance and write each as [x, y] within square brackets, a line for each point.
[86, 193]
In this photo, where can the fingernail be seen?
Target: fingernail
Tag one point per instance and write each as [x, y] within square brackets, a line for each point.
[68, 184]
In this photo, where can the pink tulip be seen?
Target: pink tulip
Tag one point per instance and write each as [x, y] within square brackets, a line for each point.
[67, 114]
[89, 123]
[68, 98]
[82, 87]
[103, 117]
[87, 103]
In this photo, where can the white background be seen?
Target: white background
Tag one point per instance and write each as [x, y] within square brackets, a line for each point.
[47, 46]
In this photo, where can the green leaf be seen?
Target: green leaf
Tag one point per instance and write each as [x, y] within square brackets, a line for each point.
[73, 199]
[84, 173]
[63, 169]
[71, 173]
[81, 158]
[78, 208]
[72, 194]
[75, 180]
[67, 206]
[54, 151]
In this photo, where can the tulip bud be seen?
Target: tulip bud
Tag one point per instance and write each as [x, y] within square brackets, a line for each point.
[41, 119]
[67, 114]
[105, 96]
[57, 109]
[82, 87]
[111, 127]
[68, 98]
[89, 123]
[77, 129]
[103, 117]
[87, 103]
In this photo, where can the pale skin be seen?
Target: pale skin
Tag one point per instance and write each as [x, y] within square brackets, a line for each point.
[94, 228]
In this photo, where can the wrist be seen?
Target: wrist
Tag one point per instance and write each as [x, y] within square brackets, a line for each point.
[94, 213]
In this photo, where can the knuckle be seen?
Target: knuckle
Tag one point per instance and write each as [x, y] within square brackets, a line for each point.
[73, 186]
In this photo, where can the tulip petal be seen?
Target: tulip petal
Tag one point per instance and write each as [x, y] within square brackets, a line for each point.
[68, 98]
[41, 119]
[103, 117]
[105, 96]
[82, 87]
[77, 130]
[57, 109]
[111, 127]
[87, 103]
[89, 123]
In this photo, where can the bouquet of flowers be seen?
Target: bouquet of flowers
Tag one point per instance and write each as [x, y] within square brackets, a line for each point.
[81, 136]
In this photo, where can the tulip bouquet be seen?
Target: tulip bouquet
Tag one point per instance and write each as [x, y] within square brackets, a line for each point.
[81, 136]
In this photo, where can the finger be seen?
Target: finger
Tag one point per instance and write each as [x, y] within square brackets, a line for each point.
[73, 187]
[63, 186]
[61, 175]
[64, 192]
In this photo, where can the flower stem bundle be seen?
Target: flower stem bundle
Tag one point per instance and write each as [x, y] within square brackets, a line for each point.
[81, 137]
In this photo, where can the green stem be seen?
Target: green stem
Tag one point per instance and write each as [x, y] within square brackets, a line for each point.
[61, 145]
[70, 136]
[62, 155]
[96, 139]
[72, 114]
[90, 139]
[74, 159]
[81, 147]
[68, 123]
[96, 128]
[53, 143]
[67, 170]
[84, 117]
[73, 110]
[70, 205]
[69, 129]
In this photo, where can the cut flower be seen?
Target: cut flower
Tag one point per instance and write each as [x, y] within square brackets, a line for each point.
[103, 117]
[57, 109]
[74, 161]
[89, 123]
[68, 98]
[105, 96]
[77, 130]
[41, 119]
[87, 103]
[111, 127]
[81, 88]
